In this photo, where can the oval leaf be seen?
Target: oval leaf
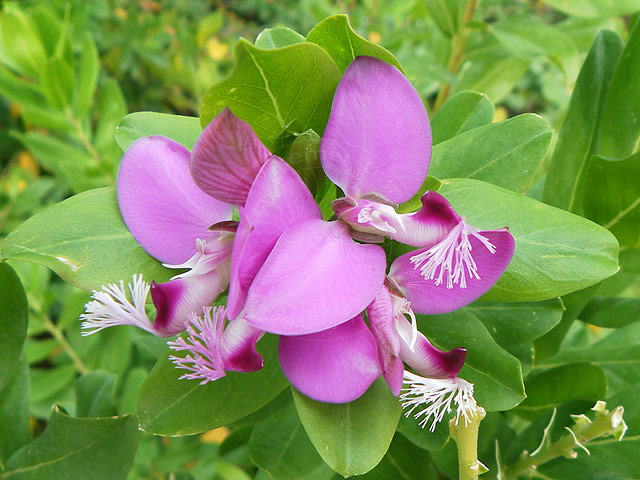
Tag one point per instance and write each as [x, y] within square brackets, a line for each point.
[182, 129]
[351, 437]
[277, 37]
[84, 240]
[14, 317]
[465, 111]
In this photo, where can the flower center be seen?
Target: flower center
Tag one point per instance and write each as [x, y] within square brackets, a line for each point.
[452, 257]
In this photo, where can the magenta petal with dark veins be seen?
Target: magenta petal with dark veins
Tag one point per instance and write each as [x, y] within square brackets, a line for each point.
[164, 210]
[226, 158]
[335, 366]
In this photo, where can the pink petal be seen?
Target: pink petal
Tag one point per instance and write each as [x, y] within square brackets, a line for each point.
[335, 366]
[176, 299]
[238, 347]
[426, 359]
[278, 200]
[428, 298]
[316, 277]
[226, 158]
[164, 210]
[378, 139]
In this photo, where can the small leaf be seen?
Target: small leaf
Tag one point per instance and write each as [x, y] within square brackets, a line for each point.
[577, 139]
[506, 154]
[556, 252]
[164, 400]
[14, 317]
[184, 130]
[343, 433]
[77, 448]
[14, 412]
[57, 83]
[86, 242]
[20, 44]
[277, 37]
[611, 312]
[285, 89]
[87, 76]
[613, 201]
[280, 446]
[465, 111]
[95, 394]
[304, 157]
[336, 36]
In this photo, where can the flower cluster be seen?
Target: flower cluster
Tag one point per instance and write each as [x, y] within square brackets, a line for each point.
[322, 286]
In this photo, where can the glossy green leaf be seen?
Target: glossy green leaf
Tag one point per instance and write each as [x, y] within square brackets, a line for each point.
[556, 252]
[77, 448]
[465, 111]
[173, 407]
[280, 446]
[612, 200]
[14, 317]
[342, 433]
[86, 242]
[58, 83]
[579, 133]
[573, 381]
[184, 130]
[21, 46]
[87, 75]
[595, 8]
[14, 412]
[495, 373]
[304, 157]
[95, 394]
[620, 124]
[611, 312]
[506, 154]
[336, 36]
[277, 37]
[284, 89]
[403, 461]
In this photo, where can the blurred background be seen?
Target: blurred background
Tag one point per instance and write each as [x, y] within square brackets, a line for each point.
[70, 70]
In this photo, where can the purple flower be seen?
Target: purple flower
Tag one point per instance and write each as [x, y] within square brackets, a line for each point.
[170, 217]
[295, 275]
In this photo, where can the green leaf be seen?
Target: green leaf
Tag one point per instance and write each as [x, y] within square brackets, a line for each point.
[342, 433]
[87, 76]
[280, 446]
[495, 373]
[14, 412]
[506, 154]
[405, 461]
[336, 36]
[421, 437]
[77, 448]
[184, 130]
[304, 157]
[613, 201]
[611, 312]
[21, 47]
[445, 14]
[529, 36]
[95, 394]
[57, 83]
[620, 124]
[277, 37]
[14, 317]
[578, 137]
[556, 252]
[173, 407]
[285, 89]
[19, 91]
[573, 381]
[465, 111]
[595, 8]
[86, 242]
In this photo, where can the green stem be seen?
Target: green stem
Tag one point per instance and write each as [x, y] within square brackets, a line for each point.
[59, 336]
[605, 423]
[466, 438]
[458, 45]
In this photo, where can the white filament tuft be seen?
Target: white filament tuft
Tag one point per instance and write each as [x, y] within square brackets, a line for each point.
[453, 256]
[438, 394]
[111, 306]
[203, 343]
